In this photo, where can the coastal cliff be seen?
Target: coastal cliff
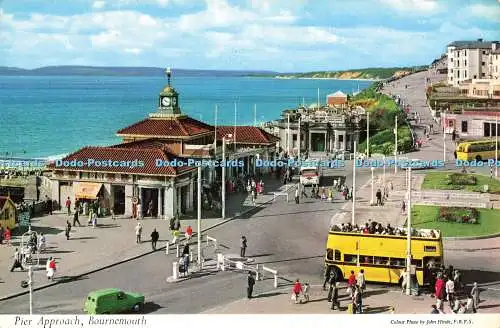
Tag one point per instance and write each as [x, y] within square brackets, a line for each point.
[358, 74]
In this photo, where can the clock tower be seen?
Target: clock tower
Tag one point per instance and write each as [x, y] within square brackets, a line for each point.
[168, 101]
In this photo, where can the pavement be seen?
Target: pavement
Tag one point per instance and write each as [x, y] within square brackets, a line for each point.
[376, 300]
[111, 242]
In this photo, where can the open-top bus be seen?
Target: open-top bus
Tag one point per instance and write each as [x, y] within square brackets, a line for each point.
[383, 257]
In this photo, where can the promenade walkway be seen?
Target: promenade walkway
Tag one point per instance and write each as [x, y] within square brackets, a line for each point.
[377, 300]
[110, 242]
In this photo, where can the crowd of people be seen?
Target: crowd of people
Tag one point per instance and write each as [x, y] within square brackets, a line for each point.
[376, 228]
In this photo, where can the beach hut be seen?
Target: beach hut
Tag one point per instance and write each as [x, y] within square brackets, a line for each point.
[7, 212]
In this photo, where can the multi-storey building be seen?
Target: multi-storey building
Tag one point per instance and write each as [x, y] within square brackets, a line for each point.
[494, 62]
[469, 60]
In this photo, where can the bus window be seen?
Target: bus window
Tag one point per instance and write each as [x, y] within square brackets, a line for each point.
[365, 259]
[381, 260]
[329, 254]
[337, 255]
[350, 258]
[418, 263]
[430, 248]
[397, 262]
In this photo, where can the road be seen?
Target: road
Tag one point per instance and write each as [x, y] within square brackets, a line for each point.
[288, 237]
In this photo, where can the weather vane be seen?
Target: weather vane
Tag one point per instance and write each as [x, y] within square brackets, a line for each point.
[168, 71]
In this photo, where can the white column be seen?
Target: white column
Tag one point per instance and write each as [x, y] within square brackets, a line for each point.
[298, 140]
[354, 184]
[158, 205]
[129, 191]
[408, 238]
[199, 217]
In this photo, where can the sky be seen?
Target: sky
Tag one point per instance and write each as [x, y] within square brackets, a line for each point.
[277, 35]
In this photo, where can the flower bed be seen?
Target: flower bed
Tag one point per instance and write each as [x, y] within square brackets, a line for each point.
[458, 215]
[462, 179]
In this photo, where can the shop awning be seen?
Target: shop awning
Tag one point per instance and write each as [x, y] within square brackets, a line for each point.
[87, 190]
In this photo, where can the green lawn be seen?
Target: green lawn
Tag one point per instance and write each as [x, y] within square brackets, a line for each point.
[424, 216]
[441, 180]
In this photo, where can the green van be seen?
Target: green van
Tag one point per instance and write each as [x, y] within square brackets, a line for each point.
[112, 300]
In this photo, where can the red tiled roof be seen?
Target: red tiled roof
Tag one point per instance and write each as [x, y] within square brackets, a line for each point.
[247, 134]
[147, 143]
[183, 126]
[147, 155]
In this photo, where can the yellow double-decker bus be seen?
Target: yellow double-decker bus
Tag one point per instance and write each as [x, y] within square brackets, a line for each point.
[383, 257]
[475, 150]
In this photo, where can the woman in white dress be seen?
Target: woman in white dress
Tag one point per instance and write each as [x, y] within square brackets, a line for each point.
[51, 268]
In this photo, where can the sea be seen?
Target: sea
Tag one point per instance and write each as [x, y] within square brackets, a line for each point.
[48, 116]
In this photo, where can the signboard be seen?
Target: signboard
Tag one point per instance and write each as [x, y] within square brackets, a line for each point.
[24, 219]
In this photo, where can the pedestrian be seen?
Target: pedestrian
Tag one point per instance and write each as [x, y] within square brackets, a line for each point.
[457, 280]
[68, 229]
[186, 264]
[297, 195]
[1, 234]
[361, 280]
[335, 295]
[434, 309]
[51, 268]
[358, 300]
[113, 217]
[328, 274]
[403, 207]
[185, 249]
[404, 280]
[251, 283]
[75, 218]
[17, 261]
[138, 232]
[306, 292]
[68, 206]
[42, 242]
[7, 235]
[253, 196]
[450, 291]
[475, 295]
[296, 290]
[243, 246]
[48, 204]
[391, 185]
[303, 192]
[154, 239]
[189, 232]
[139, 211]
[351, 282]
[150, 208]
[379, 197]
[175, 234]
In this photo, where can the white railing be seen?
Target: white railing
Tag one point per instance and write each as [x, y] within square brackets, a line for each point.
[273, 272]
[211, 240]
[450, 204]
[450, 195]
[224, 263]
[277, 194]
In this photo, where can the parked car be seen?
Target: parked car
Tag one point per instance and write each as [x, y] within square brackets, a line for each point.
[112, 300]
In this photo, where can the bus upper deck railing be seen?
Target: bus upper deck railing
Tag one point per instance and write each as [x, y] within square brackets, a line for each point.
[397, 232]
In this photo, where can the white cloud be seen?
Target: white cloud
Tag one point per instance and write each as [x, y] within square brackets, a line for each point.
[98, 4]
[413, 6]
[135, 51]
[486, 12]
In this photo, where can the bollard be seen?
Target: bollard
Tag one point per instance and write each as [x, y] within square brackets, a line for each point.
[178, 253]
[175, 270]
[276, 280]
[257, 273]
[167, 248]
[220, 260]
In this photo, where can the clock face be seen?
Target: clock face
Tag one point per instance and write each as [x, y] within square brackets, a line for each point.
[165, 101]
[174, 101]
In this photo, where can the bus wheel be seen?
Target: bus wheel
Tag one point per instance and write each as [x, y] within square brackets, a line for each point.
[478, 158]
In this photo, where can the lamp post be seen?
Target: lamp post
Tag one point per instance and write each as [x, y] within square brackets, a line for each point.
[444, 137]
[30, 285]
[496, 144]
[368, 134]
[408, 238]
[383, 176]
[199, 217]
[224, 175]
[373, 186]
[298, 139]
[288, 134]
[396, 144]
[353, 184]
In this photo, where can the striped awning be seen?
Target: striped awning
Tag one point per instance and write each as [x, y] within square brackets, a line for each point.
[87, 190]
